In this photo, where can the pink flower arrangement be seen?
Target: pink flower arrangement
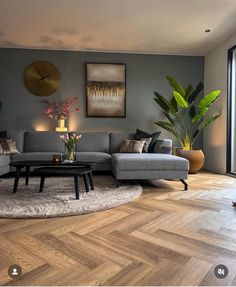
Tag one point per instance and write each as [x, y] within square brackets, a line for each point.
[60, 110]
[70, 141]
[70, 138]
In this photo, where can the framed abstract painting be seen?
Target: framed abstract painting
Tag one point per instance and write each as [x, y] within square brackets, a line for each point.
[105, 90]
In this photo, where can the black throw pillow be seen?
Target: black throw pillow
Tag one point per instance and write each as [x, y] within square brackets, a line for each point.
[3, 134]
[141, 134]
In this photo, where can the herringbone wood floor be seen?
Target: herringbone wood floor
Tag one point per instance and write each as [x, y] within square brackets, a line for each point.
[166, 237]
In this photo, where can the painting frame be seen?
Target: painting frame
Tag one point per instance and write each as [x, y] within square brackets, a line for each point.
[87, 80]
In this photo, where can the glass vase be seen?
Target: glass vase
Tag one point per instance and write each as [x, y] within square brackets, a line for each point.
[71, 155]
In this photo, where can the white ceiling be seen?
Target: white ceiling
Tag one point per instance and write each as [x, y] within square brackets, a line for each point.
[140, 26]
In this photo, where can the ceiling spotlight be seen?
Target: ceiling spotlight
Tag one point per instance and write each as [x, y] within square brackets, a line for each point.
[207, 31]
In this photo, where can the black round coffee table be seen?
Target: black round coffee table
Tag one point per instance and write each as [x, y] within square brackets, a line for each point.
[76, 172]
[27, 164]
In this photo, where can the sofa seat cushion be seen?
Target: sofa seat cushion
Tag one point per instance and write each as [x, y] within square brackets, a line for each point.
[4, 160]
[98, 157]
[27, 156]
[148, 162]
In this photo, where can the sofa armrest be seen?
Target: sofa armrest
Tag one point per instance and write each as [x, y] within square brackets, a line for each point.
[163, 146]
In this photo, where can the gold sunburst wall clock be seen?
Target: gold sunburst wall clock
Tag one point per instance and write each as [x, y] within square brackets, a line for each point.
[42, 78]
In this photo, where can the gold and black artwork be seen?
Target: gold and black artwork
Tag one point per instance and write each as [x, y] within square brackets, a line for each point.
[105, 90]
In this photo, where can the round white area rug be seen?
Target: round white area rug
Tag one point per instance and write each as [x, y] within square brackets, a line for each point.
[58, 197]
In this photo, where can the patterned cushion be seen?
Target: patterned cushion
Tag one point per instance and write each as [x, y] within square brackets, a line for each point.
[18, 136]
[131, 146]
[116, 138]
[141, 134]
[147, 142]
[8, 146]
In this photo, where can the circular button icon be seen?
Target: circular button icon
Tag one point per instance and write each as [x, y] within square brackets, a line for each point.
[15, 271]
[221, 271]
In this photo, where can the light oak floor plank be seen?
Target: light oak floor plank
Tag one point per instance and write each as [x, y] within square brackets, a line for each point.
[166, 237]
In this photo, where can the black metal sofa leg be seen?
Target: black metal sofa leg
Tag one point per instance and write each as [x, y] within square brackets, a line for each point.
[185, 184]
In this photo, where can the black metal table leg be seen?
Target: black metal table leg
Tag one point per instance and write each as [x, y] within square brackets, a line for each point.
[185, 184]
[76, 186]
[86, 182]
[17, 176]
[42, 180]
[27, 175]
[90, 175]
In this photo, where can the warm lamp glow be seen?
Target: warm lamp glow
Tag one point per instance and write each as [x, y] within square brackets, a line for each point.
[41, 127]
[73, 122]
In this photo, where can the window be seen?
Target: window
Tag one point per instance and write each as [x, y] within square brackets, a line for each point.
[231, 129]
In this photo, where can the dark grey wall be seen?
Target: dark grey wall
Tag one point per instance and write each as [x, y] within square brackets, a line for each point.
[145, 73]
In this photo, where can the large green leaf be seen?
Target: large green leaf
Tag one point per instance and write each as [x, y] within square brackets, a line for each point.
[195, 93]
[205, 123]
[176, 86]
[195, 133]
[199, 115]
[170, 128]
[180, 100]
[208, 121]
[192, 111]
[173, 105]
[169, 117]
[165, 124]
[209, 99]
[162, 102]
[188, 91]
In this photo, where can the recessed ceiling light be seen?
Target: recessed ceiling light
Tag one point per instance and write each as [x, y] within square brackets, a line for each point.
[207, 31]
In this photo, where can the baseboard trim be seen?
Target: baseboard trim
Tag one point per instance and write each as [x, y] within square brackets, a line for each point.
[216, 170]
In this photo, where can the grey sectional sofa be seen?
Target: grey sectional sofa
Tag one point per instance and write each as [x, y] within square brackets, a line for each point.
[101, 147]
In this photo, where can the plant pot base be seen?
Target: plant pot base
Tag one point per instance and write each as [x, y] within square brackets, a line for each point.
[196, 159]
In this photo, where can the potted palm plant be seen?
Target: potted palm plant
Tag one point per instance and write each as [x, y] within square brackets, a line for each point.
[186, 118]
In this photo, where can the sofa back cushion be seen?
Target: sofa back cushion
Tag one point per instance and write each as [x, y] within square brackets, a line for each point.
[17, 136]
[116, 139]
[43, 142]
[93, 141]
[163, 146]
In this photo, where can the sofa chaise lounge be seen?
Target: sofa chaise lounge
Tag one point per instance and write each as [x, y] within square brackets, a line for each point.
[102, 148]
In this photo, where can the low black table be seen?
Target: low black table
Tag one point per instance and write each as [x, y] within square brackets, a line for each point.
[76, 172]
[19, 165]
